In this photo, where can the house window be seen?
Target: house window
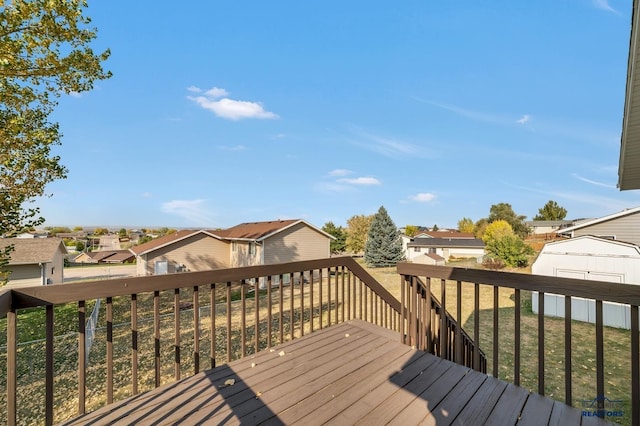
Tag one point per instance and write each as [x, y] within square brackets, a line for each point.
[416, 249]
[234, 246]
[252, 248]
[432, 250]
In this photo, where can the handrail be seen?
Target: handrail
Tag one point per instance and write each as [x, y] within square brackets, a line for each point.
[339, 289]
[598, 292]
[27, 297]
[601, 290]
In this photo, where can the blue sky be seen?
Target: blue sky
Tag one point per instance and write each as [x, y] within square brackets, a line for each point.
[237, 111]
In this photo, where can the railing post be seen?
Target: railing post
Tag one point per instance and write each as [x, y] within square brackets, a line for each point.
[496, 307]
[156, 334]
[459, 356]
[568, 397]
[49, 365]
[12, 353]
[196, 330]
[403, 308]
[134, 344]
[635, 367]
[444, 329]
[599, 350]
[82, 360]
[516, 339]
[476, 327]
[541, 343]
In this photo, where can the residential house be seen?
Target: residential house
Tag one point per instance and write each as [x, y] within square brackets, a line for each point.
[182, 251]
[247, 244]
[545, 227]
[447, 248]
[620, 226]
[590, 258]
[109, 256]
[35, 261]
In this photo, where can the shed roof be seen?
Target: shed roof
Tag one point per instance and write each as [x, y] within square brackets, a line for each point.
[27, 251]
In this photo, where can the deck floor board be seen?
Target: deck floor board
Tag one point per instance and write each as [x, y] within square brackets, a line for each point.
[344, 374]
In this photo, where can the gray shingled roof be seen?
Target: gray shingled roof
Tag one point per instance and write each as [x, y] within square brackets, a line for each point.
[446, 242]
[27, 251]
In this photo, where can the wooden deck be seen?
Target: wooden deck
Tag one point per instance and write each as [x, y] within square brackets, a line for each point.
[352, 373]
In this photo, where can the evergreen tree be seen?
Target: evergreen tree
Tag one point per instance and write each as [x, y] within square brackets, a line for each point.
[384, 244]
[339, 244]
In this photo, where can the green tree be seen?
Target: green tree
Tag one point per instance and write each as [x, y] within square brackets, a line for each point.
[504, 211]
[44, 53]
[79, 246]
[384, 244]
[496, 230]
[466, 225]
[479, 227]
[122, 232]
[511, 249]
[435, 228]
[411, 230]
[551, 211]
[77, 228]
[339, 244]
[55, 230]
[100, 231]
[357, 231]
[503, 244]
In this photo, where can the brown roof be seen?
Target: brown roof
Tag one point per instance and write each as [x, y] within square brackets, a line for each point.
[27, 251]
[110, 255]
[255, 230]
[162, 241]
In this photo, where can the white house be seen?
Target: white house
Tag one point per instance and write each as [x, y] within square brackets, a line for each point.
[590, 258]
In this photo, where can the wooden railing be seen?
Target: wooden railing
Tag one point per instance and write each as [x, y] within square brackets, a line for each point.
[493, 285]
[153, 330]
[433, 329]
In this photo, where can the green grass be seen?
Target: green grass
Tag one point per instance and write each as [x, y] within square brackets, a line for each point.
[617, 344]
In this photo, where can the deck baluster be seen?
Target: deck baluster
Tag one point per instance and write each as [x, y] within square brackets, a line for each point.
[82, 362]
[541, 343]
[196, 330]
[176, 333]
[134, 344]
[109, 350]
[568, 398]
[516, 339]
[495, 330]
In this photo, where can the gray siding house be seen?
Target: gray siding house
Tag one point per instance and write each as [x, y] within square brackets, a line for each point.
[621, 226]
[35, 261]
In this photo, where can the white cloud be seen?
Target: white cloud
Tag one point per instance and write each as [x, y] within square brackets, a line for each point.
[194, 89]
[423, 197]
[604, 5]
[214, 100]
[524, 119]
[340, 172]
[194, 211]
[216, 92]
[388, 147]
[360, 181]
[146, 195]
[593, 182]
